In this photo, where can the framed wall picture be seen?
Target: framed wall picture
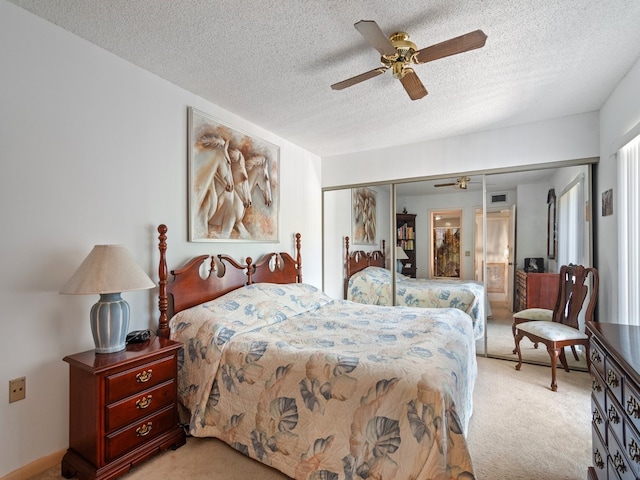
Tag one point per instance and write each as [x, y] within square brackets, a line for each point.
[607, 202]
[233, 183]
[551, 224]
[363, 215]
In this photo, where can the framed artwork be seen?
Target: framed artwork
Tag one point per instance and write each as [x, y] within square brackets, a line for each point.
[496, 278]
[607, 202]
[363, 215]
[551, 224]
[233, 183]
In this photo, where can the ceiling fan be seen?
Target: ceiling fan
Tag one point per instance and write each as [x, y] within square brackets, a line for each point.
[461, 182]
[398, 53]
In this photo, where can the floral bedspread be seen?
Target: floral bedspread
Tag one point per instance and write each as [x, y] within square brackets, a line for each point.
[372, 286]
[330, 389]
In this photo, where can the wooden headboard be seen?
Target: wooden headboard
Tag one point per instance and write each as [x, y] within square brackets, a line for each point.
[189, 287]
[359, 260]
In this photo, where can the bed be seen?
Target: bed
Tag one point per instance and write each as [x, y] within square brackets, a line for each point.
[315, 387]
[367, 281]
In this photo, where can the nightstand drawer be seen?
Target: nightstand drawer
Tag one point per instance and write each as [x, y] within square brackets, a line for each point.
[126, 411]
[140, 432]
[136, 380]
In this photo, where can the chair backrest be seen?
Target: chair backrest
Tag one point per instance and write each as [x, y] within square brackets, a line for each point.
[576, 284]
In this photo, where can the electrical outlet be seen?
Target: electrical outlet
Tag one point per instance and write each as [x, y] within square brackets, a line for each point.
[17, 389]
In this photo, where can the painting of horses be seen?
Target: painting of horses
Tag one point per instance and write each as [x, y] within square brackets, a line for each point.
[233, 183]
[364, 215]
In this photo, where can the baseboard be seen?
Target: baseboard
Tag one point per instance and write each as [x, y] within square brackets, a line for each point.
[37, 466]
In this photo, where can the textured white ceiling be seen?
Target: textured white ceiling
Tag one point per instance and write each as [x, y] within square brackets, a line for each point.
[272, 61]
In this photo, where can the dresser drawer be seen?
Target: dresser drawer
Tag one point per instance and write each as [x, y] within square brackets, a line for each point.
[619, 462]
[615, 419]
[598, 420]
[140, 432]
[632, 404]
[632, 447]
[145, 403]
[598, 389]
[613, 379]
[598, 456]
[130, 382]
[597, 357]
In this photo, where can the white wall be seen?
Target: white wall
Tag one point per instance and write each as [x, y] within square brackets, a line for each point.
[337, 225]
[559, 139]
[619, 121]
[93, 150]
[531, 223]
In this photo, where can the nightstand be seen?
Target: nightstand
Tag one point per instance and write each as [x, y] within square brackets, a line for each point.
[122, 408]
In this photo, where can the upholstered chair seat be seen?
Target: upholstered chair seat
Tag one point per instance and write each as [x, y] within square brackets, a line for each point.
[560, 327]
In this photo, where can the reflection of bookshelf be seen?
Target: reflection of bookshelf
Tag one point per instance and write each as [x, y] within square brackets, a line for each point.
[405, 239]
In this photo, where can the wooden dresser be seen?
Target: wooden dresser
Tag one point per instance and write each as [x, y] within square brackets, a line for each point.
[536, 290]
[615, 401]
[122, 408]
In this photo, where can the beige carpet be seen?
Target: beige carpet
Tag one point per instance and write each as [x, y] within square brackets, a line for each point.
[500, 341]
[520, 430]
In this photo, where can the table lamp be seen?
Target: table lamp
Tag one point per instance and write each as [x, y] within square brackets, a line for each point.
[108, 270]
[400, 255]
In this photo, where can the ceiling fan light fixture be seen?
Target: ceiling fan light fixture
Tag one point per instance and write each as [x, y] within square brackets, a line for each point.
[398, 52]
[397, 70]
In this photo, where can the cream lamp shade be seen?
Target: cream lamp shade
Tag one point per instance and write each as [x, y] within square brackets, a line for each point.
[108, 270]
[400, 255]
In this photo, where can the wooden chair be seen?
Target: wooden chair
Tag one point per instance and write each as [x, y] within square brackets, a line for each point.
[578, 287]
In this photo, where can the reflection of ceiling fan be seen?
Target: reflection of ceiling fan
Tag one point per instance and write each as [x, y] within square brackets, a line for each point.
[398, 53]
[461, 182]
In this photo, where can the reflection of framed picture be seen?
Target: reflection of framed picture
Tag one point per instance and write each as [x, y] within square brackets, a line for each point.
[363, 201]
[551, 224]
[233, 183]
[496, 277]
[607, 202]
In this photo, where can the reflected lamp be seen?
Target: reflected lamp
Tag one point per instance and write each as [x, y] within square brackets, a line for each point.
[400, 255]
[108, 271]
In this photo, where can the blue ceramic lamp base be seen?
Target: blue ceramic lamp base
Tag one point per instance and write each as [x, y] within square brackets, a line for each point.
[110, 323]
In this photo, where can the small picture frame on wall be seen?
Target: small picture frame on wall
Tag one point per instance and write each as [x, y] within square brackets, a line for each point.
[607, 202]
[233, 183]
[364, 215]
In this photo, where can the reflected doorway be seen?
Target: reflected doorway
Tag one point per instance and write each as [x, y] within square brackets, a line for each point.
[445, 238]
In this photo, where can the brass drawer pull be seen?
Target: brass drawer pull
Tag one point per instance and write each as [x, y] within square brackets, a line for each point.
[597, 459]
[612, 379]
[144, 429]
[633, 408]
[618, 463]
[144, 402]
[595, 357]
[145, 376]
[634, 451]
[597, 419]
[613, 415]
[595, 386]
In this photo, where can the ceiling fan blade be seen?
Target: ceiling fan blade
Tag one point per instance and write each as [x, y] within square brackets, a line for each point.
[359, 78]
[412, 84]
[453, 46]
[445, 184]
[372, 34]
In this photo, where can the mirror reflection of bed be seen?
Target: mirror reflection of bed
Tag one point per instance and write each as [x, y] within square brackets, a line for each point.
[515, 200]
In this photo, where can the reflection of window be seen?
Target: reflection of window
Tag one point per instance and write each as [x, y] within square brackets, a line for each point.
[445, 227]
[627, 209]
[571, 224]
